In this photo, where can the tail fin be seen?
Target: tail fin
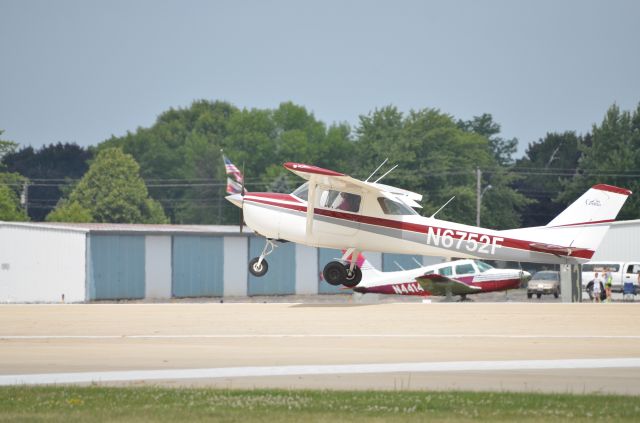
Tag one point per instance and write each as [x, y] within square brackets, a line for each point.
[600, 204]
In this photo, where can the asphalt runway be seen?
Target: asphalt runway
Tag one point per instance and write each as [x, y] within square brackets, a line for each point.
[514, 346]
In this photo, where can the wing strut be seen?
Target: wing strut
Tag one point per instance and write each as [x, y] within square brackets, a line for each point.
[311, 201]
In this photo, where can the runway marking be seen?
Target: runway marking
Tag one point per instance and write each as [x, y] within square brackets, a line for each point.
[302, 370]
[310, 335]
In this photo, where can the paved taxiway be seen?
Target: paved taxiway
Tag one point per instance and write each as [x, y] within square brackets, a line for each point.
[495, 346]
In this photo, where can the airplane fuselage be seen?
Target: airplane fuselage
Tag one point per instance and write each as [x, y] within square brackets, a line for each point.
[404, 282]
[284, 216]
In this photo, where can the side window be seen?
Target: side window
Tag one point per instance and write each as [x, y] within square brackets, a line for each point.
[464, 269]
[302, 192]
[445, 271]
[633, 268]
[339, 200]
[395, 208]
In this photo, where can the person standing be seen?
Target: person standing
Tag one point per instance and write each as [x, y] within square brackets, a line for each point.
[608, 282]
[597, 287]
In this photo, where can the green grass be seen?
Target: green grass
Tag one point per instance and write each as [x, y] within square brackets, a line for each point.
[70, 404]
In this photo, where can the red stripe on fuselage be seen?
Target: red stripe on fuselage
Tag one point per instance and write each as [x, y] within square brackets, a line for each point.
[267, 198]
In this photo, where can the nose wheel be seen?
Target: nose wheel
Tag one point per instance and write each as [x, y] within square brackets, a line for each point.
[258, 266]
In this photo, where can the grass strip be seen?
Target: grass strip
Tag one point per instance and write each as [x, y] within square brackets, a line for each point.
[137, 404]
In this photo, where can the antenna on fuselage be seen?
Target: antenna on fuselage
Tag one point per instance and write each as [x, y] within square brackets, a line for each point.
[388, 172]
[445, 205]
[377, 169]
[398, 264]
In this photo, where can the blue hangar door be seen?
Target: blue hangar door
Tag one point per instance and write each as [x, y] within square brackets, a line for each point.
[281, 277]
[198, 266]
[117, 267]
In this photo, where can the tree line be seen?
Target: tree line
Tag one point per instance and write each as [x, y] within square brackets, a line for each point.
[173, 172]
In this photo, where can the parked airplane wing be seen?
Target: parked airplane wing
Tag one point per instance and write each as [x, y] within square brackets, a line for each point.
[439, 285]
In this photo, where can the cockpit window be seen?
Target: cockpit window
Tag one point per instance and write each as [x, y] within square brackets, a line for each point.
[464, 269]
[394, 208]
[445, 271]
[340, 200]
[302, 192]
[483, 266]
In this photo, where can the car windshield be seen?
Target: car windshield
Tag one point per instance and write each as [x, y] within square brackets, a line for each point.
[302, 192]
[546, 276]
[483, 266]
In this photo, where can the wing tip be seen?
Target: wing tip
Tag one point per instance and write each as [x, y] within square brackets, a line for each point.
[301, 167]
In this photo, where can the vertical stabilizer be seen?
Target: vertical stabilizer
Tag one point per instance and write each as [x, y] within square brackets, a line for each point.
[600, 204]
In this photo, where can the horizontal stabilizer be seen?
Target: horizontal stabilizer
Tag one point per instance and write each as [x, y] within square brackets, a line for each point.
[559, 250]
[439, 285]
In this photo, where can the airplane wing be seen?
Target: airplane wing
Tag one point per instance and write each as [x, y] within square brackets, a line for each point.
[439, 285]
[341, 181]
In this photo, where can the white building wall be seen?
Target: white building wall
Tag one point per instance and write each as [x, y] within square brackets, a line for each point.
[42, 264]
[306, 270]
[621, 243]
[236, 253]
[157, 267]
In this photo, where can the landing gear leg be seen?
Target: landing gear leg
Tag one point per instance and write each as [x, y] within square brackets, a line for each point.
[258, 266]
[354, 274]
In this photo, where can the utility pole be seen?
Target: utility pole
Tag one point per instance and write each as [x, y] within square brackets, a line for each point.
[479, 194]
[24, 197]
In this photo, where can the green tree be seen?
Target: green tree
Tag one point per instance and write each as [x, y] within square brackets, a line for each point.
[70, 212]
[612, 157]
[112, 191]
[180, 154]
[438, 159]
[543, 168]
[50, 169]
[503, 149]
[6, 147]
[11, 185]
[10, 209]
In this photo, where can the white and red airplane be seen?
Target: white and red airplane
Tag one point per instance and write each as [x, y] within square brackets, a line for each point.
[347, 213]
[458, 277]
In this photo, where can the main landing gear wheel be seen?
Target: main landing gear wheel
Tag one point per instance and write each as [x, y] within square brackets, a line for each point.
[353, 278]
[258, 269]
[334, 273]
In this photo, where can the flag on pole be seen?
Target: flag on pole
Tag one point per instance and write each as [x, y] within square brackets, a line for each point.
[231, 169]
[234, 185]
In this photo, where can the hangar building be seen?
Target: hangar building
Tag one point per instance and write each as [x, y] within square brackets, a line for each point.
[85, 262]
[44, 262]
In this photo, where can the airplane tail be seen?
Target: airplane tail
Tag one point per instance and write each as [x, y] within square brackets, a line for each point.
[578, 231]
[600, 204]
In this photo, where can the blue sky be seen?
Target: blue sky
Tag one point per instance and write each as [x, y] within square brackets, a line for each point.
[80, 71]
